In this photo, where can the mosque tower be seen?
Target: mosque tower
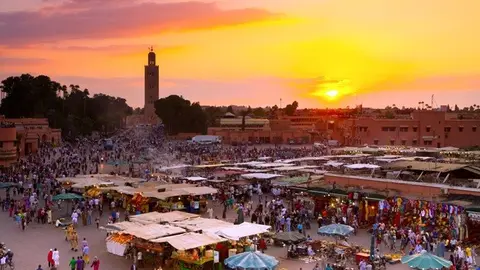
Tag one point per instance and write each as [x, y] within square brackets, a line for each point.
[152, 78]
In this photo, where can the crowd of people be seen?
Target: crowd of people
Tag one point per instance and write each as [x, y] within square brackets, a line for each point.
[35, 176]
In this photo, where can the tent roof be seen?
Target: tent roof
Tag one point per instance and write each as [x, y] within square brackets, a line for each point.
[190, 240]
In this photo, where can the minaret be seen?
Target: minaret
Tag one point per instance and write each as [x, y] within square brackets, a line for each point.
[152, 79]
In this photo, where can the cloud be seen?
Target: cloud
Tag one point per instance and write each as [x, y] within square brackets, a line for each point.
[118, 19]
[13, 61]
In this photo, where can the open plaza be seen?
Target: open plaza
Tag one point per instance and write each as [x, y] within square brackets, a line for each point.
[151, 203]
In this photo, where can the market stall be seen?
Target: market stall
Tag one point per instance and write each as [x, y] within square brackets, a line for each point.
[193, 250]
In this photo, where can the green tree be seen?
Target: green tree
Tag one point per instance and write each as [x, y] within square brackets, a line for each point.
[68, 108]
[180, 115]
[244, 114]
[213, 113]
[290, 109]
[259, 112]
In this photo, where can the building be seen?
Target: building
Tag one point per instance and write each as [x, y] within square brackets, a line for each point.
[8, 138]
[152, 80]
[258, 130]
[21, 136]
[151, 94]
[31, 132]
[425, 128]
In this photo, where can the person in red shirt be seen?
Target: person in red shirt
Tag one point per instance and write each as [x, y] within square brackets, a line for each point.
[50, 261]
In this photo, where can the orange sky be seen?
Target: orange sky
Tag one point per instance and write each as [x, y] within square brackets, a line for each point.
[252, 52]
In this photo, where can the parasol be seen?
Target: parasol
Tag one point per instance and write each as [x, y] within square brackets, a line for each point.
[290, 237]
[67, 197]
[425, 260]
[252, 260]
[335, 230]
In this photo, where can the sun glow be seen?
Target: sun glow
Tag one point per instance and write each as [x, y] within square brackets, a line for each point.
[331, 94]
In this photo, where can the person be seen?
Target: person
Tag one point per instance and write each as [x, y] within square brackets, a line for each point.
[210, 212]
[139, 258]
[50, 258]
[56, 257]
[95, 263]
[328, 267]
[73, 263]
[3, 262]
[39, 267]
[85, 252]
[9, 257]
[362, 265]
[80, 263]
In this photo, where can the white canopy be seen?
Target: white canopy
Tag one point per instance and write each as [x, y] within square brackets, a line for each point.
[449, 149]
[195, 178]
[250, 163]
[242, 230]
[157, 217]
[153, 231]
[203, 224]
[270, 165]
[303, 159]
[263, 176]
[362, 166]
[196, 191]
[121, 226]
[334, 164]
[190, 240]
[180, 166]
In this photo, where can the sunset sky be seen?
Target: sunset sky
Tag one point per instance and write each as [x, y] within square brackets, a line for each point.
[322, 53]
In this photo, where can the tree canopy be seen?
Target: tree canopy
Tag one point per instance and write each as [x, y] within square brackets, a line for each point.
[71, 109]
[290, 109]
[180, 115]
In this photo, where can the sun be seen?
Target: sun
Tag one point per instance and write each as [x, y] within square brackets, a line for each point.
[331, 94]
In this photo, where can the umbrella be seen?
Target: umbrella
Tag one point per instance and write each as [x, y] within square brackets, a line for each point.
[335, 230]
[7, 185]
[425, 260]
[67, 197]
[251, 260]
[294, 237]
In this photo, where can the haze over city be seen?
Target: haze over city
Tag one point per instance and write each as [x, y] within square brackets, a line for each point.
[252, 52]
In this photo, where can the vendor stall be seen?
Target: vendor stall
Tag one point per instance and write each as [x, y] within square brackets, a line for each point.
[193, 250]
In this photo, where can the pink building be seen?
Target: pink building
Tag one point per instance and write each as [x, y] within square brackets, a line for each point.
[424, 129]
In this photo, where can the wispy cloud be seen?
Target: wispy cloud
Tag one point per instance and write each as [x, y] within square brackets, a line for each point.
[113, 19]
[13, 61]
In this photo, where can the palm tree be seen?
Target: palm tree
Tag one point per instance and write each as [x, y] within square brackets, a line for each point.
[245, 113]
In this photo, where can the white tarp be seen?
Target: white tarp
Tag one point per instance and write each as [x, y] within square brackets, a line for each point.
[196, 191]
[195, 178]
[334, 164]
[243, 230]
[203, 224]
[304, 159]
[190, 240]
[157, 217]
[250, 163]
[263, 176]
[180, 166]
[121, 226]
[270, 165]
[116, 248]
[362, 166]
[153, 231]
